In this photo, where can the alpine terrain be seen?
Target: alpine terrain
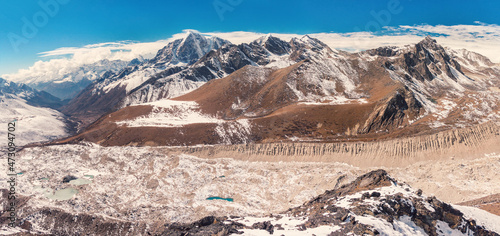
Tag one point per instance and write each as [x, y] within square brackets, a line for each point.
[272, 91]
[268, 137]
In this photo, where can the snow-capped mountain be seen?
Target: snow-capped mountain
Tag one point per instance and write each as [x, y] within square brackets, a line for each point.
[172, 72]
[266, 52]
[108, 92]
[67, 82]
[289, 91]
[31, 96]
[30, 110]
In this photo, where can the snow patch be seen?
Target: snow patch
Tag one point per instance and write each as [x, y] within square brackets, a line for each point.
[231, 130]
[443, 229]
[289, 224]
[170, 113]
[403, 226]
[33, 124]
[483, 218]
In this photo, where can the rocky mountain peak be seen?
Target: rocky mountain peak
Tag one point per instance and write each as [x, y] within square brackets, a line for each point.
[273, 44]
[193, 38]
[310, 42]
[429, 43]
[429, 39]
[307, 47]
[136, 61]
[263, 39]
[14, 88]
[187, 50]
[428, 60]
[195, 45]
[317, 45]
[474, 59]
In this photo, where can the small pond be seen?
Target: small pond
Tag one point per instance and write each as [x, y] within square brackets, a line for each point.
[80, 181]
[63, 194]
[220, 198]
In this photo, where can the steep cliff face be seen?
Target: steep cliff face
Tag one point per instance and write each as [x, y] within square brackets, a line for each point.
[399, 109]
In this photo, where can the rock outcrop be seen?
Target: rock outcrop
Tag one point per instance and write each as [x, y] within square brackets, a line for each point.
[372, 204]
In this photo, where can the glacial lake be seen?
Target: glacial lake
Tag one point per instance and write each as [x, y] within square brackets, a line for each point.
[63, 194]
[220, 198]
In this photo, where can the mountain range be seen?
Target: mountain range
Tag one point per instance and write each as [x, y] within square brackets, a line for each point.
[66, 82]
[303, 115]
[203, 90]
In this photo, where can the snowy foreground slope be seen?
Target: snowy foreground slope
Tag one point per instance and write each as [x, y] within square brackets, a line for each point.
[70, 189]
[33, 124]
[32, 112]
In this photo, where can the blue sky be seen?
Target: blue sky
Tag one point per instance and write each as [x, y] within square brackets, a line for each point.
[75, 23]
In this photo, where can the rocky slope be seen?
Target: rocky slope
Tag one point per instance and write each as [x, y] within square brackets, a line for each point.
[373, 203]
[318, 94]
[461, 143]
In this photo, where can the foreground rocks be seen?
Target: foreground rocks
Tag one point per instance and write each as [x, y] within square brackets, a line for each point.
[372, 204]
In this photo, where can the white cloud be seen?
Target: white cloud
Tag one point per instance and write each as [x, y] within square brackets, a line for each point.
[481, 38]
[71, 58]
[62, 61]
